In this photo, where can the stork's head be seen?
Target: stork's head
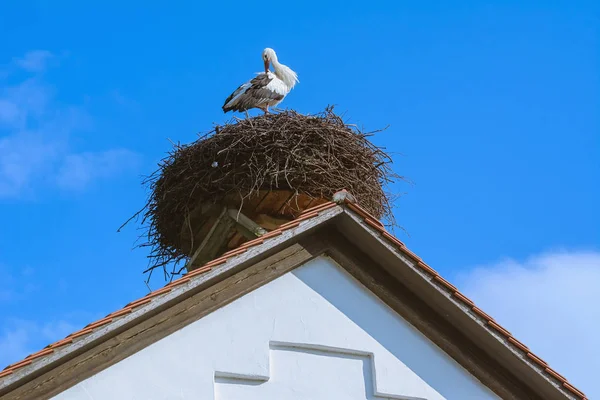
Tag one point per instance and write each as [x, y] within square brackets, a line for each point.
[268, 56]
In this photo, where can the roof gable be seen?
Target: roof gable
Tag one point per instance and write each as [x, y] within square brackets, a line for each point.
[324, 328]
[348, 224]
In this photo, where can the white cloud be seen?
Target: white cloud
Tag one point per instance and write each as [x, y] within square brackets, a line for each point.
[23, 102]
[34, 61]
[14, 344]
[550, 302]
[16, 285]
[35, 138]
[25, 156]
[79, 169]
[21, 337]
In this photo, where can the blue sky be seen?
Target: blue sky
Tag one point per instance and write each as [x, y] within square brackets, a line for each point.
[494, 114]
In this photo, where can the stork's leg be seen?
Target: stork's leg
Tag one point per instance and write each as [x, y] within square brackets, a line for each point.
[264, 108]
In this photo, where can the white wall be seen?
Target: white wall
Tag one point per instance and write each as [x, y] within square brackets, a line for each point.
[313, 334]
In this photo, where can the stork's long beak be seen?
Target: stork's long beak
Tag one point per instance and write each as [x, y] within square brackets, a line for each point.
[266, 66]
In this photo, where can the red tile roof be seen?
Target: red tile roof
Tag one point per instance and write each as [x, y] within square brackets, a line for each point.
[307, 214]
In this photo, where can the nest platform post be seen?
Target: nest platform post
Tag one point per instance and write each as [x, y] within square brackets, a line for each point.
[215, 229]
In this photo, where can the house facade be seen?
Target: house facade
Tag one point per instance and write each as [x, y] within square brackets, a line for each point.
[328, 306]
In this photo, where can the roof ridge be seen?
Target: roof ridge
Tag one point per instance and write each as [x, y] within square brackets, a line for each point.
[131, 306]
[342, 198]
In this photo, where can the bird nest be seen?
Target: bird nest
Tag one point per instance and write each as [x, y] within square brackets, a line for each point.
[314, 156]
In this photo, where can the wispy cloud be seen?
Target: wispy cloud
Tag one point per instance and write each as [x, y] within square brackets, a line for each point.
[34, 61]
[16, 285]
[24, 158]
[123, 101]
[549, 302]
[19, 338]
[36, 133]
[79, 169]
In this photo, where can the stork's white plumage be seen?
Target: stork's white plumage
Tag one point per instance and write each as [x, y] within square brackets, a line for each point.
[266, 90]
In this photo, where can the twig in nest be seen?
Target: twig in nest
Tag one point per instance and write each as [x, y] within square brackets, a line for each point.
[315, 155]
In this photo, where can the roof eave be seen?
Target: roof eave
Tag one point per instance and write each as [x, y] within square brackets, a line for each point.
[458, 310]
[366, 234]
[206, 276]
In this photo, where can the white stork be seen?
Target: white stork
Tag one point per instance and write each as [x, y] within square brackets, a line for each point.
[265, 90]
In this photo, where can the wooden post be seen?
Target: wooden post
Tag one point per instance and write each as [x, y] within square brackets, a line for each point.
[247, 227]
[212, 241]
[218, 235]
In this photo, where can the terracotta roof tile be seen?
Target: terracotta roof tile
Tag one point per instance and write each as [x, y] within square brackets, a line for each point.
[392, 239]
[201, 270]
[310, 215]
[81, 332]
[288, 225]
[319, 208]
[180, 281]
[235, 252]
[40, 354]
[305, 215]
[573, 389]
[157, 292]
[556, 374]
[62, 342]
[216, 261]
[482, 314]
[364, 213]
[499, 329]
[19, 364]
[518, 344]
[537, 360]
[411, 254]
[444, 282]
[371, 222]
[464, 299]
[427, 268]
[6, 372]
[139, 302]
[261, 239]
[99, 323]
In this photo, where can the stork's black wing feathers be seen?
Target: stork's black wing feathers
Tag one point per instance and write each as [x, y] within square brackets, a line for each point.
[252, 94]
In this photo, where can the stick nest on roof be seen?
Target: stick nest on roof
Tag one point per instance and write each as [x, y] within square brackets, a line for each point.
[314, 155]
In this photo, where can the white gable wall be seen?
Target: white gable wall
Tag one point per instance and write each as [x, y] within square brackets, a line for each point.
[314, 333]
